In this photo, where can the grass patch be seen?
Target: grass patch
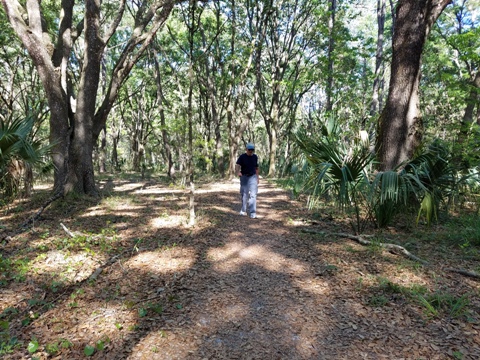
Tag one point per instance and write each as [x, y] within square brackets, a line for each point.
[7, 343]
[435, 304]
[103, 241]
[13, 270]
[441, 303]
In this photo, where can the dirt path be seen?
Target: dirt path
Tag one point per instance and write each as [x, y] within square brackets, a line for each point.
[229, 288]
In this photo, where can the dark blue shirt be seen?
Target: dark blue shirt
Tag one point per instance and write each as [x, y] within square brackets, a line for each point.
[249, 164]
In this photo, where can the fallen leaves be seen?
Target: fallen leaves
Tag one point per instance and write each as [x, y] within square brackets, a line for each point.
[229, 288]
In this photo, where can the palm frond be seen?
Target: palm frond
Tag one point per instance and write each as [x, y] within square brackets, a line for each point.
[19, 153]
[333, 163]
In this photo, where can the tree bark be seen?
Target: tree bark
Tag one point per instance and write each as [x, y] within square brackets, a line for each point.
[161, 102]
[473, 101]
[80, 175]
[375, 106]
[400, 125]
[332, 9]
[38, 45]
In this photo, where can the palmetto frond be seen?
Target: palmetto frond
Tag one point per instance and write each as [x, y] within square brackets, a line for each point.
[17, 148]
[333, 163]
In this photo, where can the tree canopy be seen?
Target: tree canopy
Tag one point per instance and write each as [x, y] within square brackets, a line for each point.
[151, 85]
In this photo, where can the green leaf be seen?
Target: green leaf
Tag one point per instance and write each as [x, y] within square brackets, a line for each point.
[100, 345]
[32, 346]
[89, 350]
[4, 325]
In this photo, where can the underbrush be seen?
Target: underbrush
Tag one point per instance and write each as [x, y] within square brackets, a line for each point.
[435, 303]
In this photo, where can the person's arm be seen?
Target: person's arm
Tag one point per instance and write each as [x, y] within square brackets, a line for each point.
[257, 173]
[237, 170]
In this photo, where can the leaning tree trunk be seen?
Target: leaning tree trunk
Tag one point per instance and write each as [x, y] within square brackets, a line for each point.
[400, 126]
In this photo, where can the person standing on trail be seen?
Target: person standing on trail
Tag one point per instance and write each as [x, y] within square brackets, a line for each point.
[247, 169]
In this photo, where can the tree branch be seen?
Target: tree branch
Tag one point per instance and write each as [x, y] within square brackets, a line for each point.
[361, 240]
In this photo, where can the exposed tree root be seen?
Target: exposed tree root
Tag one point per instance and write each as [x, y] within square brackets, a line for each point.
[392, 248]
[361, 240]
[471, 274]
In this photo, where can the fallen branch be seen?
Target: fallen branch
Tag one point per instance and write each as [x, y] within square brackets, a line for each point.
[361, 240]
[471, 274]
[33, 218]
[93, 237]
[100, 268]
[71, 234]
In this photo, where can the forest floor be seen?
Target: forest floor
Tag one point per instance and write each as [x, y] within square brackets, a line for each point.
[125, 277]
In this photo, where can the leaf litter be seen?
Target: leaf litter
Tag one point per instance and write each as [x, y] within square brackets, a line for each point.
[135, 282]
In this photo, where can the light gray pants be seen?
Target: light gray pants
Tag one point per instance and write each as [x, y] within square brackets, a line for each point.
[248, 193]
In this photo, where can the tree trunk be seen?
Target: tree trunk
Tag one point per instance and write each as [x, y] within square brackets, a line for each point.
[102, 152]
[400, 126]
[375, 106]
[469, 118]
[161, 106]
[80, 176]
[473, 101]
[151, 21]
[237, 93]
[330, 59]
[73, 136]
[38, 45]
[190, 168]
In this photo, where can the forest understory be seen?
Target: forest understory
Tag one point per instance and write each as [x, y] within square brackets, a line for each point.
[125, 277]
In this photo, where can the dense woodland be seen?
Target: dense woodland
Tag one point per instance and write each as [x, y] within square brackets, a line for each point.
[178, 88]
[367, 112]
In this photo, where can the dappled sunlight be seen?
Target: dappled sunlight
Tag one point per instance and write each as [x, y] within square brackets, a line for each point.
[168, 221]
[79, 324]
[167, 261]
[14, 295]
[127, 187]
[149, 287]
[67, 265]
[216, 187]
[312, 286]
[161, 191]
[121, 209]
[407, 278]
[110, 315]
[224, 209]
[226, 252]
[130, 213]
[164, 344]
[229, 257]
